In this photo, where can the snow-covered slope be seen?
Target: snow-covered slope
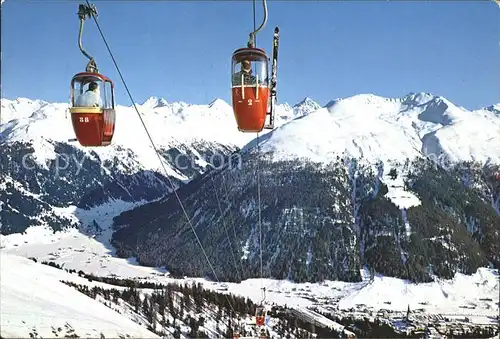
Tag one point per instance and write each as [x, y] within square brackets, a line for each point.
[87, 249]
[35, 302]
[475, 296]
[376, 128]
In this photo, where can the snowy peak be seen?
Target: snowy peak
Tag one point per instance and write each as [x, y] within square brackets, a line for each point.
[431, 108]
[306, 106]
[493, 108]
[364, 125]
[332, 103]
[378, 128]
[440, 111]
[219, 104]
[286, 113]
[307, 101]
[19, 108]
[417, 98]
[169, 124]
[155, 102]
[437, 107]
[363, 104]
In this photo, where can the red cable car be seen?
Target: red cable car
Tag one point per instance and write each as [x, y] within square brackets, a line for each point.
[260, 316]
[253, 94]
[92, 97]
[250, 89]
[92, 109]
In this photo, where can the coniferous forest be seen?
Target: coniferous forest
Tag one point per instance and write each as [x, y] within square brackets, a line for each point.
[321, 222]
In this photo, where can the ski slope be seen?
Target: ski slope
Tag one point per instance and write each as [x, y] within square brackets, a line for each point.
[35, 302]
[74, 250]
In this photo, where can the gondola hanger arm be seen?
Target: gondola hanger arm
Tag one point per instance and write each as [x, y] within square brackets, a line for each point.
[83, 12]
[251, 39]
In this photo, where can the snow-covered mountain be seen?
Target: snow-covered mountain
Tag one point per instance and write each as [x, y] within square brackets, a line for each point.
[376, 128]
[42, 171]
[304, 107]
[341, 187]
[169, 124]
[25, 119]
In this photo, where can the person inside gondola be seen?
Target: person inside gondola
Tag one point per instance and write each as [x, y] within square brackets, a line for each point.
[245, 73]
[91, 97]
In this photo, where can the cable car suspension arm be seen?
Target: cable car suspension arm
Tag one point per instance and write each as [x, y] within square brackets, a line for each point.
[251, 39]
[83, 12]
[263, 296]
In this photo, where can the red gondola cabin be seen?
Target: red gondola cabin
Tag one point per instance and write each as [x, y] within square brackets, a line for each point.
[260, 316]
[250, 88]
[92, 109]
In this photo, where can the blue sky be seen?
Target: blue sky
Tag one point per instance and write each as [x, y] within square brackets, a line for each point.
[328, 49]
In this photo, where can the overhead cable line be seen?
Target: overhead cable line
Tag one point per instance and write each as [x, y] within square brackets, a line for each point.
[156, 151]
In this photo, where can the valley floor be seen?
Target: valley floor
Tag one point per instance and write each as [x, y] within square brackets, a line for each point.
[464, 299]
